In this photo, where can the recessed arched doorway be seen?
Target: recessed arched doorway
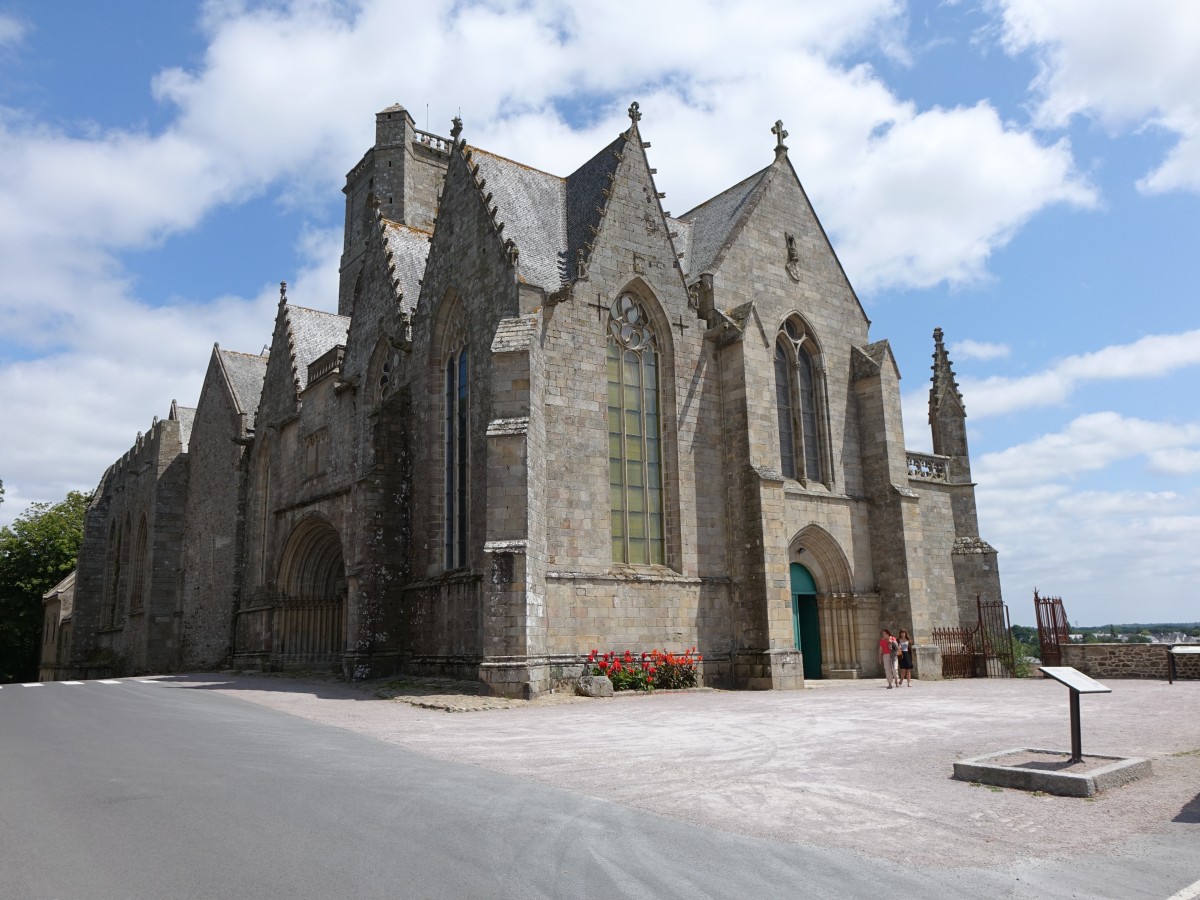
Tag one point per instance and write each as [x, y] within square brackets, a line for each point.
[310, 612]
[806, 624]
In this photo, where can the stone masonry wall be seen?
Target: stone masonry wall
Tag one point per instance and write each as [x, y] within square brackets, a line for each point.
[1126, 661]
[591, 601]
[212, 555]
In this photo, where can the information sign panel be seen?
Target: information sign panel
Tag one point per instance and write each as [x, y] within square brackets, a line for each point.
[1075, 680]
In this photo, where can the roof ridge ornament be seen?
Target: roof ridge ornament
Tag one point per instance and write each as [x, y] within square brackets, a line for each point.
[456, 127]
[283, 293]
[635, 112]
[780, 147]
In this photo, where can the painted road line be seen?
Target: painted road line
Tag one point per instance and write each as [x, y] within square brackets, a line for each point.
[108, 681]
[32, 684]
[73, 682]
[1191, 892]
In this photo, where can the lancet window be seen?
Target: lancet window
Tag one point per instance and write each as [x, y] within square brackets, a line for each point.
[798, 404]
[456, 374]
[138, 591]
[634, 435]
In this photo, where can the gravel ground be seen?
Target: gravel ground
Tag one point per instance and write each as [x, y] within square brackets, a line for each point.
[843, 764]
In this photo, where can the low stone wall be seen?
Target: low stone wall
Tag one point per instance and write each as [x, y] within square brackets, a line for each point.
[1127, 661]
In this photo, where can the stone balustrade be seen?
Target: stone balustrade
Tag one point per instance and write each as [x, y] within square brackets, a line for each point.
[326, 364]
[433, 141]
[927, 466]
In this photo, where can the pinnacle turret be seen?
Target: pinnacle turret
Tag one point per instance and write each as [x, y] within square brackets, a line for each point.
[947, 413]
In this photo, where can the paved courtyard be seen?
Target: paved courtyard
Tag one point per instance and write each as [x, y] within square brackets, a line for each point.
[842, 764]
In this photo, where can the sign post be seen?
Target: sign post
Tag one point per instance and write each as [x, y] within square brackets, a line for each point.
[1077, 683]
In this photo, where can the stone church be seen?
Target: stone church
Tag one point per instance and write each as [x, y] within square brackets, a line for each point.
[547, 417]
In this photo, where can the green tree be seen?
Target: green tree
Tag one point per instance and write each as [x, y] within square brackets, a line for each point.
[1026, 634]
[36, 553]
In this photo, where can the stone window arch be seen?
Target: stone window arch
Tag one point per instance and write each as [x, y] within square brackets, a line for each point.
[636, 445]
[455, 391]
[800, 404]
[137, 594]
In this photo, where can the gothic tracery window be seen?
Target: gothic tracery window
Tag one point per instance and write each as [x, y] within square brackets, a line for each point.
[389, 375]
[797, 401]
[634, 436]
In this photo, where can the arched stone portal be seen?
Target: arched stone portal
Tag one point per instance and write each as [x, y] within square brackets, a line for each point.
[311, 607]
[825, 582]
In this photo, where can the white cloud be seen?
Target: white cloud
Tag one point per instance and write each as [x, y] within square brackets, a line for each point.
[1090, 442]
[1174, 461]
[969, 349]
[1114, 556]
[12, 31]
[1126, 64]
[931, 199]
[1149, 357]
[69, 414]
[1084, 543]
[282, 102]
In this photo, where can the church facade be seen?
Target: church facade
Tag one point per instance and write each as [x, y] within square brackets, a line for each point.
[547, 417]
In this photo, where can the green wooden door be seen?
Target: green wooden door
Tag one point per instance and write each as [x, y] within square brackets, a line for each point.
[805, 624]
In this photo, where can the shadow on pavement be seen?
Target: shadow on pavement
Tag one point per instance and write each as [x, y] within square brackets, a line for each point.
[1190, 813]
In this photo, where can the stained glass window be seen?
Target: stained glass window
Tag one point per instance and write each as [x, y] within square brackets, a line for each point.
[635, 458]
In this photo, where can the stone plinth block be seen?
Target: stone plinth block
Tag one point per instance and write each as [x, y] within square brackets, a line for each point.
[1052, 771]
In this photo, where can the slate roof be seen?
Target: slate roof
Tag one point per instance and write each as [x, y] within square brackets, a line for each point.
[546, 216]
[409, 247]
[245, 373]
[532, 206]
[313, 332]
[585, 198]
[714, 221]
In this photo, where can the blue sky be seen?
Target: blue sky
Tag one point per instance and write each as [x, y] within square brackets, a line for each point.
[1023, 173]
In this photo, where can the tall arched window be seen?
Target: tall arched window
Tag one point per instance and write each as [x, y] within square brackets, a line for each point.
[797, 401]
[138, 590]
[635, 472]
[457, 458]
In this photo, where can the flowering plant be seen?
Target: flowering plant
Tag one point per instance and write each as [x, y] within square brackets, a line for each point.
[657, 668]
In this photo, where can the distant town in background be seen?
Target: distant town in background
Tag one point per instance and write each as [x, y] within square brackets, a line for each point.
[1134, 633]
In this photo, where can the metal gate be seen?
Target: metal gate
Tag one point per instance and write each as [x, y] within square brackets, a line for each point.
[1053, 630]
[985, 651]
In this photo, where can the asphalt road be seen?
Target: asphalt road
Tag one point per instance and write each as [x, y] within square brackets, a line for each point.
[141, 790]
[137, 790]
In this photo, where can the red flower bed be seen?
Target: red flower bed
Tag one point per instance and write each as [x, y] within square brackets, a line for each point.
[658, 668]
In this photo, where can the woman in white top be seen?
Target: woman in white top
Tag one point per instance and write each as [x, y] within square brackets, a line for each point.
[905, 653]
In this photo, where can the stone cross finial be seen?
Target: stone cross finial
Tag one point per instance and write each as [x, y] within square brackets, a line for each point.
[780, 134]
[635, 114]
[937, 335]
[455, 127]
[283, 292]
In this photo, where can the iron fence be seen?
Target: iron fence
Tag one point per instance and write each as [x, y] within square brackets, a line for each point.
[1053, 630]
